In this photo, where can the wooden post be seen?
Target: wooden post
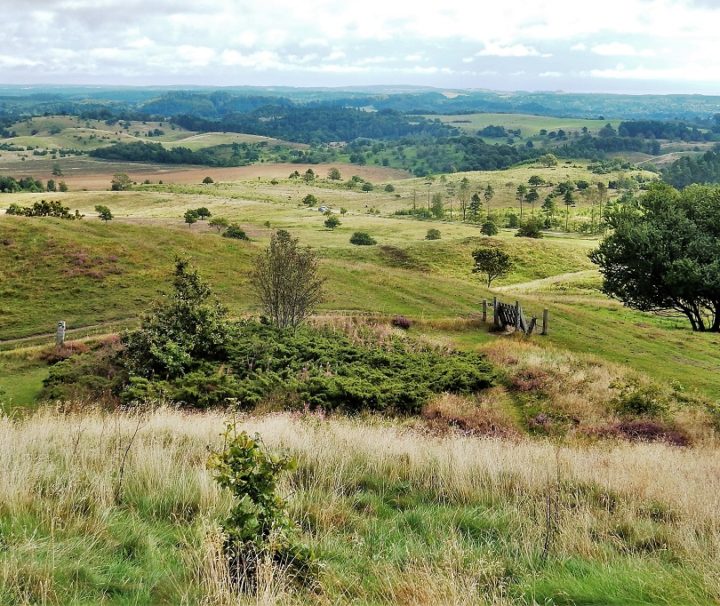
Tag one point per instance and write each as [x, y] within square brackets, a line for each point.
[484, 310]
[546, 317]
[517, 315]
[495, 312]
[60, 334]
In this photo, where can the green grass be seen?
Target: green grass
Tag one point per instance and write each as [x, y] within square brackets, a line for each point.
[529, 125]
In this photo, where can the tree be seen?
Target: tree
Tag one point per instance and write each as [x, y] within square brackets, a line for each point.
[51, 186]
[463, 194]
[208, 180]
[569, 201]
[548, 160]
[474, 207]
[120, 182]
[492, 262]
[287, 281]
[536, 181]
[531, 197]
[219, 223]
[488, 195]
[203, 213]
[437, 207]
[309, 175]
[332, 222]
[309, 200]
[190, 217]
[186, 327]
[367, 186]
[62, 186]
[663, 254]
[334, 174]
[520, 194]
[104, 213]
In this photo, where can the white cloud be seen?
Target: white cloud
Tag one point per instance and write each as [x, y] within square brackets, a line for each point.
[512, 50]
[620, 49]
[159, 40]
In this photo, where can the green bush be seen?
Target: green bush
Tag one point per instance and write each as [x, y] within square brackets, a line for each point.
[432, 234]
[636, 400]
[362, 238]
[258, 526]
[530, 229]
[236, 232]
[489, 228]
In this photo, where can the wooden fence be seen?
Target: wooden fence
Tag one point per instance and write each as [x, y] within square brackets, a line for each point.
[506, 315]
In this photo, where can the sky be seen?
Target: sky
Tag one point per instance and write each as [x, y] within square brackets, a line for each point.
[624, 46]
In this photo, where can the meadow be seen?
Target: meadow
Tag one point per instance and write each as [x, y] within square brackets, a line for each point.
[531, 492]
[395, 515]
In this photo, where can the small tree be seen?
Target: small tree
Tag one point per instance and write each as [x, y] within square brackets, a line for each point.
[362, 238]
[190, 217]
[334, 174]
[390, 188]
[437, 207]
[287, 281]
[432, 234]
[62, 186]
[187, 326]
[219, 223]
[548, 160]
[309, 175]
[203, 213]
[489, 228]
[488, 195]
[208, 180]
[492, 262]
[310, 200]
[332, 222]
[104, 213]
[120, 182]
[367, 186]
[51, 185]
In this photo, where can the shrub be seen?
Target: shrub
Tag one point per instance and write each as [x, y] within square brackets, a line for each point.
[362, 238]
[367, 186]
[530, 229]
[389, 188]
[489, 228]
[401, 322]
[432, 234]
[332, 222]
[635, 400]
[310, 200]
[208, 180]
[258, 525]
[513, 221]
[236, 232]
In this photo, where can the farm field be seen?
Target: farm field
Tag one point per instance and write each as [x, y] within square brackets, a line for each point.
[529, 125]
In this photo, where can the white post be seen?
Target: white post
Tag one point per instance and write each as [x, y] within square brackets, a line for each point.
[60, 334]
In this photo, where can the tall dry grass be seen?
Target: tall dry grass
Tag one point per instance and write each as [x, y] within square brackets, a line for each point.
[77, 471]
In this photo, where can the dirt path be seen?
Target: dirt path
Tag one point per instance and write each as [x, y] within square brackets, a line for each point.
[536, 284]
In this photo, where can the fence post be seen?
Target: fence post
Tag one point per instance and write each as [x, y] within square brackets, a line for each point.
[517, 315]
[495, 311]
[60, 334]
[546, 317]
[484, 308]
